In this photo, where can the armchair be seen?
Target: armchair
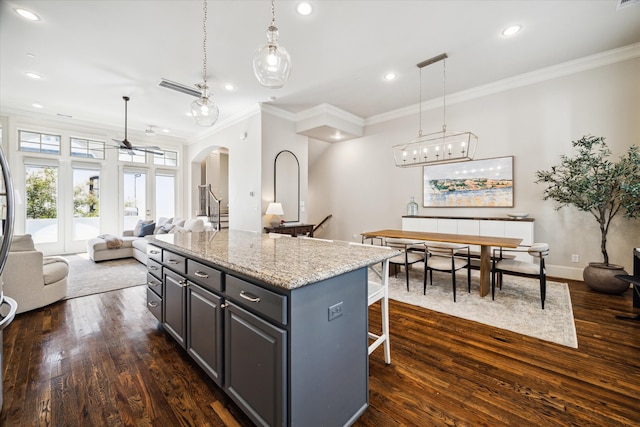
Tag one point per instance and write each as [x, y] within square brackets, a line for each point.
[31, 279]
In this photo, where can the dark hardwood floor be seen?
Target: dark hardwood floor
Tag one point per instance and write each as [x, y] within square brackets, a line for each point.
[104, 360]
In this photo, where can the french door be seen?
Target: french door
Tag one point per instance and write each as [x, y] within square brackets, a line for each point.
[135, 197]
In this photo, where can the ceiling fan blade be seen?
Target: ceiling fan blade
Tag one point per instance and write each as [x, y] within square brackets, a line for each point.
[147, 150]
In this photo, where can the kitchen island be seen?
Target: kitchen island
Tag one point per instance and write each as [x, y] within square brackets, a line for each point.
[280, 324]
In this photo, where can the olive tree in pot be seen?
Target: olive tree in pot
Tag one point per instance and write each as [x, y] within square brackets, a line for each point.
[593, 183]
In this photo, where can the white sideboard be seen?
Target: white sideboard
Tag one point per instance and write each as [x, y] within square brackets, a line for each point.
[477, 226]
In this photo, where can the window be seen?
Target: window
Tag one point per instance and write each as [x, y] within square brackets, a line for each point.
[42, 202]
[86, 203]
[133, 156]
[165, 195]
[135, 197]
[87, 148]
[170, 158]
[39, 142]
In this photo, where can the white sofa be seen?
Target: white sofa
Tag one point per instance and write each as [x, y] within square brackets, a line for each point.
[134, 243]
[31, 279]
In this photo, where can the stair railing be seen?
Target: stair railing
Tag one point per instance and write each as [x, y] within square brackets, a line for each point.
[326, 218]
[209, 205]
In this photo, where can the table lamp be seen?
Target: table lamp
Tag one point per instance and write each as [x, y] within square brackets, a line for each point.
[275, 209]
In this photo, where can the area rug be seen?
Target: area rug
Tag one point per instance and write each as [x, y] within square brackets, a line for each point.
[516, 307]
[87, 277]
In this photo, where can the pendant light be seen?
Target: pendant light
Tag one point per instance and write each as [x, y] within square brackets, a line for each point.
[438, 147]
[272, 62]
[203, 110]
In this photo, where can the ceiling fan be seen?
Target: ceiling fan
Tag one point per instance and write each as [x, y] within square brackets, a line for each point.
[125, 145]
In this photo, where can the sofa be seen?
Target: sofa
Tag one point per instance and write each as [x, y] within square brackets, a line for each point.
[133, 243]
[32, 279]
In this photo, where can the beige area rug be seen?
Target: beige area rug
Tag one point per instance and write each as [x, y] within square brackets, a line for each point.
[87, 277]
[516, 307]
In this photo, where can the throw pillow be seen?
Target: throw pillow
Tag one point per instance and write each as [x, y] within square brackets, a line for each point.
[195, 225]
[147, 229]
[177, 229]
[165, 229]
[138, 228]
[178, 221]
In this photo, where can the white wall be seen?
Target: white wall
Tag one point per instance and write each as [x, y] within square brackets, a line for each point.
[245, 154]
[359, 184]
[279, 134]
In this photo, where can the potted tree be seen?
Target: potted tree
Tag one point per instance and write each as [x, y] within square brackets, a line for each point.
[593, 183]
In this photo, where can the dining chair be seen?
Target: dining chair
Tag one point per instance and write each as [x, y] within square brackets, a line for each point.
[501, 265]
[447, 257]
[379, 291]
[411, 251]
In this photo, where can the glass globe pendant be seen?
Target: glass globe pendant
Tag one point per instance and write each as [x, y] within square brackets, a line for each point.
[203, 110]
[272, 62]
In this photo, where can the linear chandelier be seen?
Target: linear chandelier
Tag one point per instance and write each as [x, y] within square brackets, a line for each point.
[438, 147]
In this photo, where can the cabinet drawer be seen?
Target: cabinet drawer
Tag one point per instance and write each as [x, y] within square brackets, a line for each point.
[174, 261]
[154, 252]
[260, 300]
[154, 284]
[154, 304]
[155, 268]
[206, 276]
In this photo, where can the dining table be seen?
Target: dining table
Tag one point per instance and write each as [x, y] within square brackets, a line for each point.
[485, 243]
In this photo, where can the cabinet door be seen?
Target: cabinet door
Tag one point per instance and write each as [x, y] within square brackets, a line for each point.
[254, 374]
[174, 305]
[204, 330]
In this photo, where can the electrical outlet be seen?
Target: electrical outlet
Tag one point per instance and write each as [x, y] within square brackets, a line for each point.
[575, 258]
[335, 311]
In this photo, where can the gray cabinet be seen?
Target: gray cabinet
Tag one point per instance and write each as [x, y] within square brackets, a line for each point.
[173, 306]
[255, 360]
[285, 357]
[204, 330]
[154, 284]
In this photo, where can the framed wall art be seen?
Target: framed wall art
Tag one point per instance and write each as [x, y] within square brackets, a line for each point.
[473, 184]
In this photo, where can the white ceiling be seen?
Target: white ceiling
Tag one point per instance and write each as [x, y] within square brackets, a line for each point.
[92, 52]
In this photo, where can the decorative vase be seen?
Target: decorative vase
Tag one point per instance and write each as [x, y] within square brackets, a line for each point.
[601, 277]
[412, 207]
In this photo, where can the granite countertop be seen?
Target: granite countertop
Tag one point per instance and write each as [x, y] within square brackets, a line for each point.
[285, 262]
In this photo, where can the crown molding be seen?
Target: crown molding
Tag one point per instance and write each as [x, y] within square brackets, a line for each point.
[544, 74]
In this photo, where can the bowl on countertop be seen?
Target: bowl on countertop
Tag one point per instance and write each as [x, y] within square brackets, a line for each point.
[518, 215]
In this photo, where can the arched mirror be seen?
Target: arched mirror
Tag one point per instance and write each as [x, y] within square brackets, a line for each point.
[286, 185]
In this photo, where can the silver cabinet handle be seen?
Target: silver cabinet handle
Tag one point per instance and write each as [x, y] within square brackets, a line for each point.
[201, 274]
[153, 252]
[173, 261]
[152, 304]
[249, 297]
[153, 268]
[153, 283]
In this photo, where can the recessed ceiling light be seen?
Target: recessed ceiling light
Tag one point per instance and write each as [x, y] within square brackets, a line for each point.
[27, 14]
[37, 105]
[30, 55]
[229, 87]
[166, 130]
[304, 8]
[390, 76]
[33, 75]
[511, 30]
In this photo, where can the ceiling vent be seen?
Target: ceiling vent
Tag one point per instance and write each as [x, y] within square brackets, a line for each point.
[180, 88]
[625, 3]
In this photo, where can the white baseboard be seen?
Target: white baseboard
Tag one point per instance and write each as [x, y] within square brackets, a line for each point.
[563, 272]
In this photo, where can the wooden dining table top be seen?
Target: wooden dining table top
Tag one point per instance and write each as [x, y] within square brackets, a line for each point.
[506, 242]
